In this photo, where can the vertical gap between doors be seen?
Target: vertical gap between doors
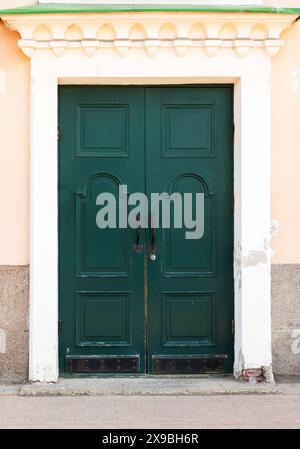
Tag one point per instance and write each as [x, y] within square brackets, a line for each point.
[145, 245]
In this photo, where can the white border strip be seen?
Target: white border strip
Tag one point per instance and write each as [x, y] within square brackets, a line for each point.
[251, 78]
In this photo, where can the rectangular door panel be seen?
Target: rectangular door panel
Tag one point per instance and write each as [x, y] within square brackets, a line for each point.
[188, 319]
[103, 319]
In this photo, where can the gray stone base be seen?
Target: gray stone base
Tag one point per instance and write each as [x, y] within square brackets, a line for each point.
[13, 324]
[286, 318]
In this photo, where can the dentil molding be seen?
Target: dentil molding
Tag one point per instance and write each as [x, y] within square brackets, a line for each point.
[94, 32]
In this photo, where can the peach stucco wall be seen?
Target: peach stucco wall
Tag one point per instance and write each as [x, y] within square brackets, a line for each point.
[286, 148]
[14, 146]
[14, 150]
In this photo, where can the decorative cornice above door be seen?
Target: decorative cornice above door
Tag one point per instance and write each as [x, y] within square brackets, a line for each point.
[151, 31]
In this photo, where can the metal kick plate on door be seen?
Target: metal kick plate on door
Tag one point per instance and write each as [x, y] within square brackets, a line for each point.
[103, 364]
[188, 365]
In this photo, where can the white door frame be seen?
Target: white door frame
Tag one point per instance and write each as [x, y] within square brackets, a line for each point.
[243, 62]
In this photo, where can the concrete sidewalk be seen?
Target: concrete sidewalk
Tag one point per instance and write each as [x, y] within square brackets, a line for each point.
[152, 386]
[253, 411]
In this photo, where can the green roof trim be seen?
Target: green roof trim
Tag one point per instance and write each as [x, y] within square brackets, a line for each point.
[52, 8]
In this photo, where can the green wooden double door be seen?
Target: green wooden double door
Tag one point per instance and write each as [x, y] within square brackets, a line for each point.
[137, 300]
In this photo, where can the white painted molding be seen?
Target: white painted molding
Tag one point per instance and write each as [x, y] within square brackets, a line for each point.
[151, 31]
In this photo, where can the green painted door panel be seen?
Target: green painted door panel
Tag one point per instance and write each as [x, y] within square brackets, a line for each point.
[190, 284]
[120, 311]
[101, 276]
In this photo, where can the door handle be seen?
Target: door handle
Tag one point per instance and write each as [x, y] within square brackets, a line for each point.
[137, 247]
[153, 244]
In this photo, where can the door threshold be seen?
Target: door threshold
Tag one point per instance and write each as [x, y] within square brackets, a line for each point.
[144, 376]
[147, 386]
